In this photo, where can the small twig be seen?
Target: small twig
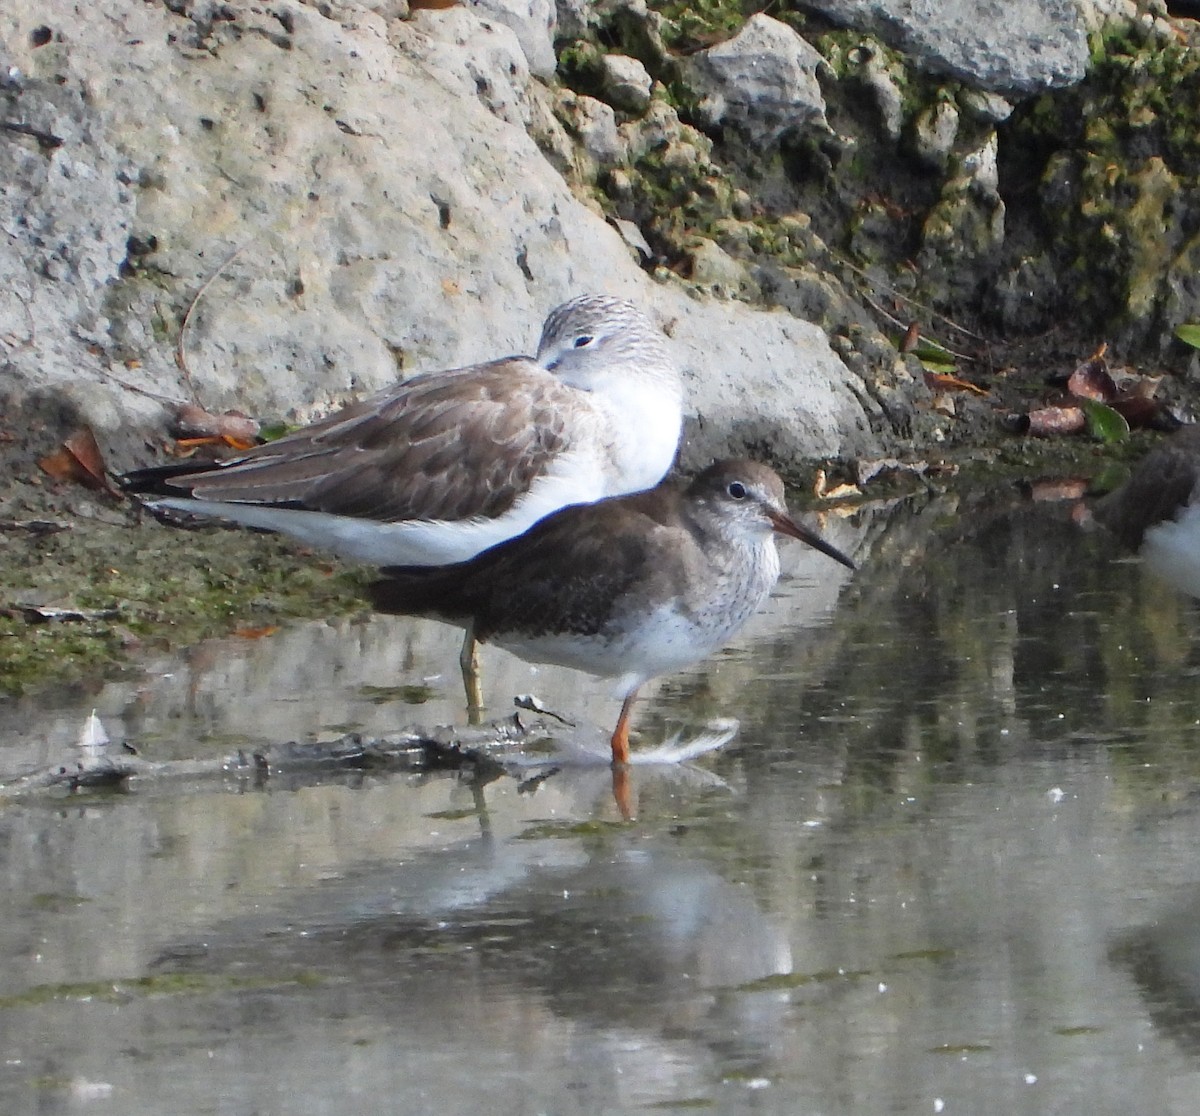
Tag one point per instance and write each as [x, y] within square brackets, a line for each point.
[47, 141]
[36, 527]
[165, 399]
[180, 356]
[906, 298]
[902, 326]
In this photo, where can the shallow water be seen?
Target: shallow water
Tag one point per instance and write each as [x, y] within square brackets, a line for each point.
[948, 864]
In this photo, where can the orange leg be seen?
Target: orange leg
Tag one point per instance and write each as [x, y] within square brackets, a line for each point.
[622, 788]
[620, 736]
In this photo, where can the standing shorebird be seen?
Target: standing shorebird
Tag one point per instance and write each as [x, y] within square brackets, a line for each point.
[627, 588]
[1157, 511]
[442, 466]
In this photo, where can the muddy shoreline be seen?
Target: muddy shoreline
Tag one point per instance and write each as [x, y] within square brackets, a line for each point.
[91, 581]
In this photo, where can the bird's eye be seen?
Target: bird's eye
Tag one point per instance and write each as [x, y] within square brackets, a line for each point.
[584, 341]
[737, 490]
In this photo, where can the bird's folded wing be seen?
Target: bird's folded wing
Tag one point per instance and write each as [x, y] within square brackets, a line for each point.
[445, 446]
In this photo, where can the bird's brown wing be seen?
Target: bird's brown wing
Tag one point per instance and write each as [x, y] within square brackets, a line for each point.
[448, 445]
[563, 575]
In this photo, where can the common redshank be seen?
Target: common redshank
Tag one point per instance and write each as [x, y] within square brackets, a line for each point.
[442, 466]
[1157, 511]
[628, 588]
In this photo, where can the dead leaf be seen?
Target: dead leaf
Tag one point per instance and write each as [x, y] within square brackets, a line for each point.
[943, 404]
[1136, 409]
[890, 467]
[233, 427]
[823, 490]
[843, 492]
[80, 461]
[1091, 379]
[912, 337]
[1053, 422]
[256, 633]
[1138, 406]
[939, 381]
[1057, 489]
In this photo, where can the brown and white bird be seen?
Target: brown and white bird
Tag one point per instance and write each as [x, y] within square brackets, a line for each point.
[628, 588]
[1157, 511]
[444, 465]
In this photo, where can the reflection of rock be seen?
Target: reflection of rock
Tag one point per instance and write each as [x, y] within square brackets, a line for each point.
[1156, 511]
[1164, 959]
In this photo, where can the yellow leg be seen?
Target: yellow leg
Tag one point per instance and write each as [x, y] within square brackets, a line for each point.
[468, 661]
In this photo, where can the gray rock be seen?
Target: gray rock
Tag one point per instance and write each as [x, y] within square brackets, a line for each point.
[1007, 46]
[989, 108]
[483, 57]
[572, 18]
[762, 81]
[935, 132]
[767, 384]
[596, 127]
[67, 212]
[716, 272]
[884, 85]
[357, 197]
[627, 84]
[981, 168]
[533, 22]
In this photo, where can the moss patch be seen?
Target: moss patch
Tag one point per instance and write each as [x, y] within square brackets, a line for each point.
[155, 586]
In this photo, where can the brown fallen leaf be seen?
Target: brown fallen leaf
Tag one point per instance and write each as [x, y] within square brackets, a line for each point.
[191, 421]
[940, 381]
[1136, 403]
[1056, 489]
[823, 490]
[1137, 410]
[889, 467]
[1053, 422]
[1091, 379]
[80, 461]
[256, 633]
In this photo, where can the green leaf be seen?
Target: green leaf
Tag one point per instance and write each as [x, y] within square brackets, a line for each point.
[1189, 334]
[939, 367]
[273, 431]
[931, 350]
[1104, 424]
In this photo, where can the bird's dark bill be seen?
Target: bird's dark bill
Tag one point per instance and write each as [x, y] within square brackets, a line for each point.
[787, 526]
